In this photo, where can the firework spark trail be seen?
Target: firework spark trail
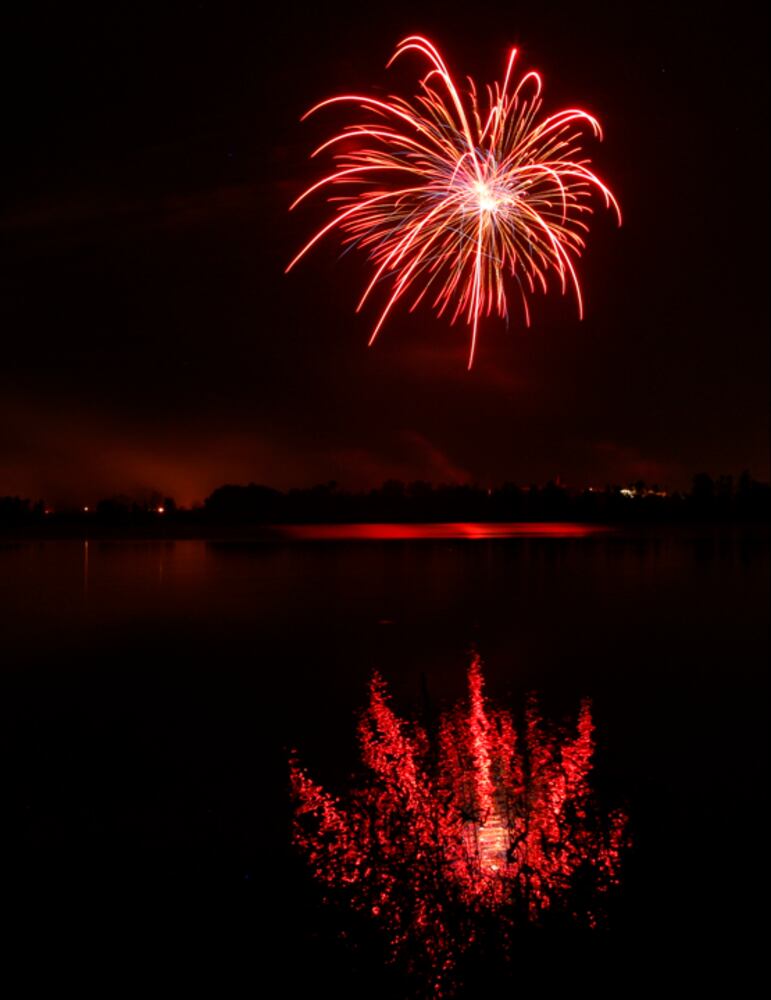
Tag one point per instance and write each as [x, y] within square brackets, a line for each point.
[447, 199]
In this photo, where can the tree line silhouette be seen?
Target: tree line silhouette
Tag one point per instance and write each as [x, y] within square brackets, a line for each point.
[722, 499]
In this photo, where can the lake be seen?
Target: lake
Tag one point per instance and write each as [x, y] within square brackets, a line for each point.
[152, 692]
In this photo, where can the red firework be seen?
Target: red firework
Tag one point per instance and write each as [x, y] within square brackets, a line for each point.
[472, 823]
[450, 196]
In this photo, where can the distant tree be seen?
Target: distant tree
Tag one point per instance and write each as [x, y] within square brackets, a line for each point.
[553, 500]
[14, 509]
[420, 489]
[393, 489]
[116, 506]
[252, 502]
[744, 488]
[753, 499]
[703, 489]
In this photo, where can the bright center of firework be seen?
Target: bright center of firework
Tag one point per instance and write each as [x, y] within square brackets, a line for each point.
[487, 197]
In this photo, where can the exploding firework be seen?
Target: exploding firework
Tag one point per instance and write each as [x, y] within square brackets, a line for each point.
[453, 196]
[470, 829]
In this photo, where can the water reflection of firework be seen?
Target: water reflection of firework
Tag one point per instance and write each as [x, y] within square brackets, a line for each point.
[466, 822]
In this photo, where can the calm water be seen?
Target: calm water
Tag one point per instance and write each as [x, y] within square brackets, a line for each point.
[151, 692]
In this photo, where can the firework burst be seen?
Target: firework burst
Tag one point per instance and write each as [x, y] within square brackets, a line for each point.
[455, 196]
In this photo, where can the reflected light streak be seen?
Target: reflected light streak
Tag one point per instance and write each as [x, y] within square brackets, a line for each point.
[460, 529]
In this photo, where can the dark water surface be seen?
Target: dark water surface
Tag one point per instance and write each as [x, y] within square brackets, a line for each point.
[152, 691]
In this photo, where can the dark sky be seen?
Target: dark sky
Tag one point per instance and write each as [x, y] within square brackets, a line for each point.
[150, 339]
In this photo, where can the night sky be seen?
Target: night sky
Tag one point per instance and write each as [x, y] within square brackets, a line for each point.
[150, 339]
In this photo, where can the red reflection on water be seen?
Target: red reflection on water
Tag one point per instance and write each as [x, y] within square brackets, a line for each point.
[461, 529]
[471, 821]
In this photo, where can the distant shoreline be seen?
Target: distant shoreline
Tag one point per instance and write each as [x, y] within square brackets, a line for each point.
[261, 511]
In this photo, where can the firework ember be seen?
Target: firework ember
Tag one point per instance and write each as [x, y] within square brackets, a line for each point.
[466, 828]
[454, 195]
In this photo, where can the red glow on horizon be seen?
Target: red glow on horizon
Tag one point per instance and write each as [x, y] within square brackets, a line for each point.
[452, 825]
[449, 198]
